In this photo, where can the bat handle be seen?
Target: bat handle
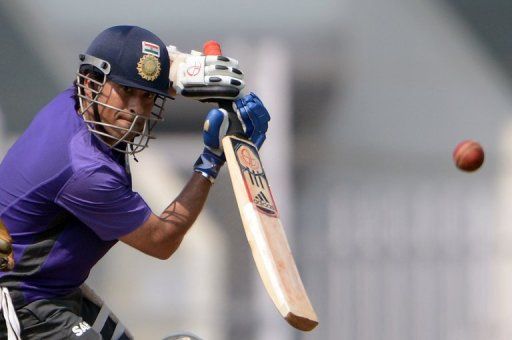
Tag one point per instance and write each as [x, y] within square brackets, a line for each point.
[212, 47]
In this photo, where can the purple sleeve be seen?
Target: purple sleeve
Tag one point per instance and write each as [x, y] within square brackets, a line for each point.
[104, 202]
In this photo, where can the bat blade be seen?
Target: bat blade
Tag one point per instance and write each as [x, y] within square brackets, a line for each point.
[267, 239]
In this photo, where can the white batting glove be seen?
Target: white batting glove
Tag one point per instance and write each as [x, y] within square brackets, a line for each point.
[205, 77]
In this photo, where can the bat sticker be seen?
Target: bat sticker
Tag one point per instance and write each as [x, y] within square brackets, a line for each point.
[255, 180]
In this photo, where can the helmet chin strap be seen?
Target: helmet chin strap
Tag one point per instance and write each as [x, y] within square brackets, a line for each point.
[97, 116]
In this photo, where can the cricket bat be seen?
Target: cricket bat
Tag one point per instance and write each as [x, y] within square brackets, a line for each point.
[262, 225]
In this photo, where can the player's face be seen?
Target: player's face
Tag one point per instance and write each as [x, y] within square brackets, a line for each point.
[127, 106]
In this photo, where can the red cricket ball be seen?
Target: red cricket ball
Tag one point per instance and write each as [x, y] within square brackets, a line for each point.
[468, 155]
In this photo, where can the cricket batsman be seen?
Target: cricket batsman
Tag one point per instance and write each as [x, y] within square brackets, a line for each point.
[65, 186]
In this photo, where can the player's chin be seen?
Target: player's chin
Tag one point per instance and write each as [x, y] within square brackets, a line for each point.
[134, 133]
[129, 126]
[126, 130]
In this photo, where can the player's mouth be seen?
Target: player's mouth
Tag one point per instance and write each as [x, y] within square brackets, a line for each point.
[135, 125]
[125, 119]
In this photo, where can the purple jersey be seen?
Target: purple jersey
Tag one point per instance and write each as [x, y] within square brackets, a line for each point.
[66, 198]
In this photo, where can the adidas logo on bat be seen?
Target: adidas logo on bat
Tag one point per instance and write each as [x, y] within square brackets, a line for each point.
[262, 202]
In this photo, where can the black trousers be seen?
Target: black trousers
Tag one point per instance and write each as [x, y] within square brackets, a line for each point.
[75, 316]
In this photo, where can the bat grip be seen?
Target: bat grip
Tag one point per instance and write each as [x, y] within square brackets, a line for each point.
[235, 126]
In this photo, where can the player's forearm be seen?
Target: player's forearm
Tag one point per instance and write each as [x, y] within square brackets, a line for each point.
[181, 214]
[160, 236]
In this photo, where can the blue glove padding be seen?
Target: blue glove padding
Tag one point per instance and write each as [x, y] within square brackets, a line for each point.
[209, 164]
[214, 129]
[254, 117]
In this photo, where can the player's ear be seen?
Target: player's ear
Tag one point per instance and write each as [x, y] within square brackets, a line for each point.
[90, 87]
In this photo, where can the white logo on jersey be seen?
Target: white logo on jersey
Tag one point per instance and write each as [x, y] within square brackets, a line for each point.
[81, 328]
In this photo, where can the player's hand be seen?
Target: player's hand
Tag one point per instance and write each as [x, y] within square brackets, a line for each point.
[254, 117]
[6, 254]
[215, 128]
[203, 77]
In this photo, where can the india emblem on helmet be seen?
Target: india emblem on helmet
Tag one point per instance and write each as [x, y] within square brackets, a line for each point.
[149, 67]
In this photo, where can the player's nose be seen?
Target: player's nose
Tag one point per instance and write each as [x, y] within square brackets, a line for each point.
[139, 104]
[136, 105]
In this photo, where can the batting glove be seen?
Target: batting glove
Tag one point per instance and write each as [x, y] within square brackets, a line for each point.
[212, 158]
[254, 118]
[203, 77]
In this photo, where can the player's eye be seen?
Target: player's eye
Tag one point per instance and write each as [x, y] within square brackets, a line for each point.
[127, 89]
[150, 95]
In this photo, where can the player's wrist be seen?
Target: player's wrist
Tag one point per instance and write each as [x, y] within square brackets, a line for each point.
[209, 164]
[205, 175]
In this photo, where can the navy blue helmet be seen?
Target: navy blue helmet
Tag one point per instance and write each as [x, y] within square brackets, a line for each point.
[131, 56]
